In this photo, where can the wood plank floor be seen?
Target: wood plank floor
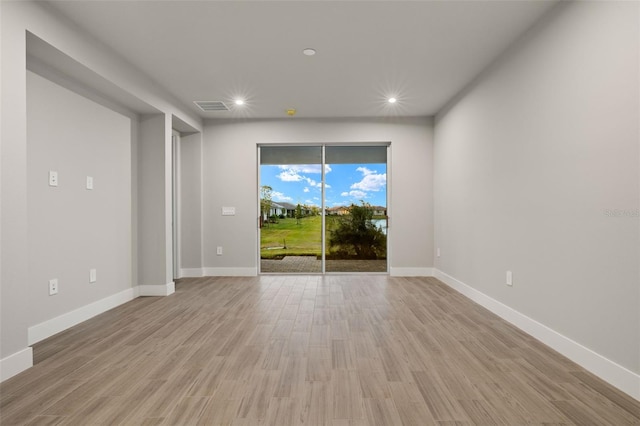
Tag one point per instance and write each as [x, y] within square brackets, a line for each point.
[305, 350]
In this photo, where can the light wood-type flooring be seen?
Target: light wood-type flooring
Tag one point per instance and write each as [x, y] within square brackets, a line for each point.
[306, 350]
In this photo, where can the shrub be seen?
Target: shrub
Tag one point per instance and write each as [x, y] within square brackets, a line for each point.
[357, 236]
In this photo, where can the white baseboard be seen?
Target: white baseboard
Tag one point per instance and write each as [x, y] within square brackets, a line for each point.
[411, 272]
[157, 290]
[20, 361]
[16, 363]
[616, 375]
[191, 273]
[252, 272]
[55, 325]
[60, 323]
[230, 272]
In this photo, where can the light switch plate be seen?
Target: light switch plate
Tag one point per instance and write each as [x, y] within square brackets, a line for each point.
[228, 211]
[92, 276]
[89, 182]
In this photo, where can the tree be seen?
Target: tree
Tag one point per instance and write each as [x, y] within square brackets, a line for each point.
[298, 213]
[357, 236]
[265, 202]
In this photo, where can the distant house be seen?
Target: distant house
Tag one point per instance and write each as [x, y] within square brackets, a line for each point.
[337, 211]
[289, 209]
[343, 210]
[379, 210]
[286, 209]
[275, 210]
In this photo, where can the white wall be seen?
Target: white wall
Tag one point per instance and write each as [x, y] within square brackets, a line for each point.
[531, 165]
[18, 18]
[229, 168]
[72, 229]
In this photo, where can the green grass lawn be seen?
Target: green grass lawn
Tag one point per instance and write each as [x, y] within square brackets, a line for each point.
[301, 239]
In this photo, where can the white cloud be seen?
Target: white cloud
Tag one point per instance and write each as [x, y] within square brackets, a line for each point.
[293, 173]
[289, 176]
[306, 189]
[365, 171]
[279, 196]
[371, 180]
[355, 194]
[292, 176]
[305, 168]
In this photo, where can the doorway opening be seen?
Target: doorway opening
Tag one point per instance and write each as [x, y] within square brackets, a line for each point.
[323, 208]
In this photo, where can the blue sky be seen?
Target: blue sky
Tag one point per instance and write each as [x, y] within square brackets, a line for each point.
[346, 183]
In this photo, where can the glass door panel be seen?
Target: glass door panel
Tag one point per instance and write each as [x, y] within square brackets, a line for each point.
[356, 209]
[290, 202]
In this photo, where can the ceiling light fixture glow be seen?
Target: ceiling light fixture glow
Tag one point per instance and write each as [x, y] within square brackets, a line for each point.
[239, 102]
[392, 100]
[309, 51]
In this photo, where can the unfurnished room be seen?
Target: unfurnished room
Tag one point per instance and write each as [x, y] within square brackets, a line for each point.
[345, 213]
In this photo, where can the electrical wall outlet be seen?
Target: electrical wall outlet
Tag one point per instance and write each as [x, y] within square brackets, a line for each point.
[53, 178]
[89, 182]
[92, 276]
[53, 287]
[219, 251]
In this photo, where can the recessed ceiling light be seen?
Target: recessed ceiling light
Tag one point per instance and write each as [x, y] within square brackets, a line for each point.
[392, 100]
[239, 102]
[309, 52]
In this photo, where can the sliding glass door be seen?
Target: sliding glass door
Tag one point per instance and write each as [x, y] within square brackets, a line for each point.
[322, 208]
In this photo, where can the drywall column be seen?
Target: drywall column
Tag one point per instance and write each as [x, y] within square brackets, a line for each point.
[155, 265]
[15, 355]
[191, 205]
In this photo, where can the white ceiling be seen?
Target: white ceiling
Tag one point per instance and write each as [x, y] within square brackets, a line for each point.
[422, 52]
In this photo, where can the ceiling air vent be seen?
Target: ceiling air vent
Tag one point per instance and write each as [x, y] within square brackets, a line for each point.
[207, 106]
